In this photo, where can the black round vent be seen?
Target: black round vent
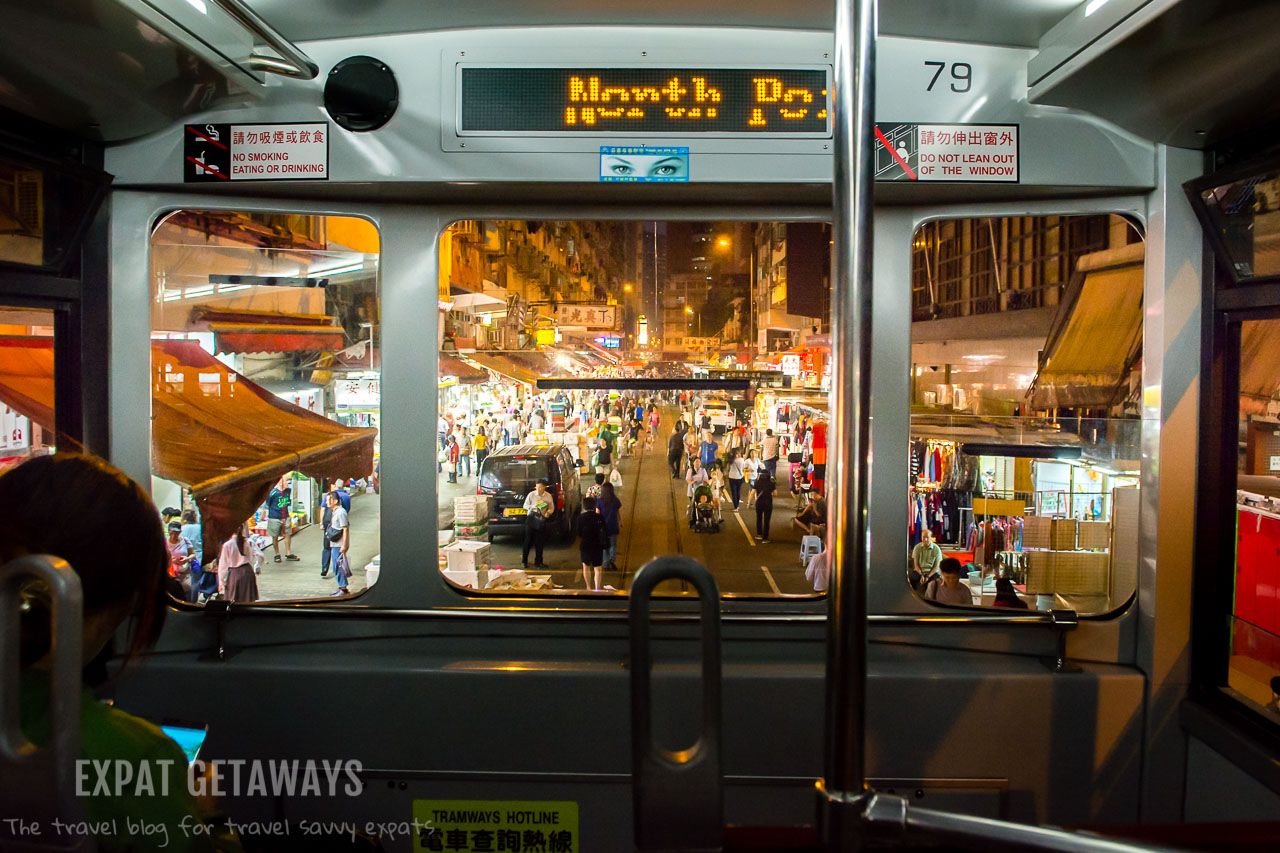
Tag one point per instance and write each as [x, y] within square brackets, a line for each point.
[361, 93]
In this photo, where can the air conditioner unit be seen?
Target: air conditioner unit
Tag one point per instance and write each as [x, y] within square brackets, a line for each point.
[28, 201]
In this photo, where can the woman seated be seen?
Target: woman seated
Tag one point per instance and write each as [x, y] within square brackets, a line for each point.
[812, 517]
[117, 547]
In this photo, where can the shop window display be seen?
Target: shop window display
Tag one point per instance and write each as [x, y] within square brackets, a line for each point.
[265, 401]
[1024, 444]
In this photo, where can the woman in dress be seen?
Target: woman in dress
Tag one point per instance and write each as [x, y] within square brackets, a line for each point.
[238, 567]
[610, 509]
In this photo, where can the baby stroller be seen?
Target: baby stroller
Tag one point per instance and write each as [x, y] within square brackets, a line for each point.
[704, 510]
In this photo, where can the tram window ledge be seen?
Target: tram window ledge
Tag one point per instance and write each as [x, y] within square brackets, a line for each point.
[1236, 733]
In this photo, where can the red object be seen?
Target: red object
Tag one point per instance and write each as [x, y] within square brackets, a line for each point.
[1246, 565]
[1268, 574]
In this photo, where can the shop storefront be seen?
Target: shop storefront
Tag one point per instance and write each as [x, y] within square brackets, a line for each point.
[1043, 515]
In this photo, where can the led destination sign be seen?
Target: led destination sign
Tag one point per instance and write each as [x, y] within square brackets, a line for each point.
[555, 101]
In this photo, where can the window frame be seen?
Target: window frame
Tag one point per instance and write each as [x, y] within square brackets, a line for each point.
[1104, 206]
[1228, 303]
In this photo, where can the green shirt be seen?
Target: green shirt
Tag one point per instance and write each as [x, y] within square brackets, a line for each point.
[927, 557]
[107, 734]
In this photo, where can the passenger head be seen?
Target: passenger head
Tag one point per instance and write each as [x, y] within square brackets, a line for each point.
[116, 546]
[950, 571]
[768, 432]
[1005, 586]
[175, 530]
[926, 536]
[588, 504]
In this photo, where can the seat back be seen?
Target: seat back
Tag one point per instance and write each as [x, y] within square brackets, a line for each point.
[38, 784]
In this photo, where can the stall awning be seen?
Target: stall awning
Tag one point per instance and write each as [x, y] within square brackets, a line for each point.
[463, 372]
[504, 366]
[267, 331]
[26, 378]
[1259, 355]
[213, 431]
[228, 439]
[1095, 342]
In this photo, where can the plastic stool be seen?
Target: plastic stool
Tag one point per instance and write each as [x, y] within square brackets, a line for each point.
[810, 546]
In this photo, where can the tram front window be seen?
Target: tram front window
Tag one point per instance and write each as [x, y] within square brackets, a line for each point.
[610, 392]
[1024, 446]
[265, 402]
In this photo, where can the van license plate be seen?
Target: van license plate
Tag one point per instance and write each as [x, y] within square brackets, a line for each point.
[516, 511]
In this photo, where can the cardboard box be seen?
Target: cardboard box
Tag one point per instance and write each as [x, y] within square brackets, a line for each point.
[1093, 535]
[466, 555]
[1035, 531]
[1062, 534]
[475, 579]
[471, 509]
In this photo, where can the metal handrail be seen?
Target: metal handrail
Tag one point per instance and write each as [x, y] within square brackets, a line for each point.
[294, 62]
[891, 818]
[844, 782]
[39, 784]
[678, 798]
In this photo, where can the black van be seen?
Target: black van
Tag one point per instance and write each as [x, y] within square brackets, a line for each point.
[510, 473]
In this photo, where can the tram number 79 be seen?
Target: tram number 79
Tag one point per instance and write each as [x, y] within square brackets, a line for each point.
[961, 73]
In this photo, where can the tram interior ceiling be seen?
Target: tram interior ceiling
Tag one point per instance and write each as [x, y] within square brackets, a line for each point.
[682, 374]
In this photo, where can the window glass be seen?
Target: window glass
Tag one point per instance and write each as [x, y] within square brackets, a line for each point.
[726, 322]
[1245, 223]
[266, 403]
[1254, 654]
[43, 211]
[1025, 378]
[26, 384]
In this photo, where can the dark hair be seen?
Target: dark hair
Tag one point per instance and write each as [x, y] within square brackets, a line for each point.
[950, 566]
[110, 508]
[608, 497]
[169, 512]
[768, 432]
[1005, 585]
[599, 479]
[188, 516]
[173, 525]
[588, 504]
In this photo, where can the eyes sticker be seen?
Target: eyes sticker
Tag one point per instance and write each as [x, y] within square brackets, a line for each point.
[638, 165]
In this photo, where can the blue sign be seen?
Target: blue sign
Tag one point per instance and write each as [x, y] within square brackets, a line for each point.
[637, 164]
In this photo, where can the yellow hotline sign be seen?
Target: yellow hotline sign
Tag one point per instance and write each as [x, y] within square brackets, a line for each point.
[484, 826]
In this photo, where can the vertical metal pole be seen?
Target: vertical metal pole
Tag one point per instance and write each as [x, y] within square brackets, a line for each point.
[842, 789]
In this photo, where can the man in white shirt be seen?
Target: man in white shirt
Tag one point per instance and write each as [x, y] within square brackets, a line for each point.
[770, 454]
[539, 505]
[818, 571]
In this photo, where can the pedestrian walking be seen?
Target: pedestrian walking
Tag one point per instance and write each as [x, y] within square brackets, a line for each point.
[611, 510]
[592, 540]
[538, 506]
[338, 536]
[764, 505]
[675, 450]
